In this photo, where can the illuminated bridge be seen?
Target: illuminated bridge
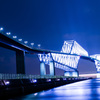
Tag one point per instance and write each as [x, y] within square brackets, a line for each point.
[67, 59]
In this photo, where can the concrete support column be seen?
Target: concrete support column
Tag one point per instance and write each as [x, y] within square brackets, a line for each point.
[71, 73]
[20, 65]
[42, 69]
[52, 68]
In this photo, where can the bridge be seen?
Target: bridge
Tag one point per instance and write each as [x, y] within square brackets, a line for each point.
[67, 59]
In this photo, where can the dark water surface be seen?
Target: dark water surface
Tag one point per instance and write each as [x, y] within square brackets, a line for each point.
[84, 90]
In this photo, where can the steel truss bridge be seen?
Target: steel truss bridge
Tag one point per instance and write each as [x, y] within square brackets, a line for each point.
[67, 59]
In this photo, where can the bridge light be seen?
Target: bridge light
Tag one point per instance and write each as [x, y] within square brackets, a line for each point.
[1, 29]
[19, 39]
[39, 45]
[33, 81]
[14, 37]
[32, 44]
[25, 42]
[48, 80]
[35, 94]
[58, 79]
[6, 82]
[8, 33]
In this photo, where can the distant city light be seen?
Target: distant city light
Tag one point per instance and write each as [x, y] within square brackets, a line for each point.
[19, 39]
[14, 37]
[1, 29]
[32, 44]
[25, 42]
[8, 33]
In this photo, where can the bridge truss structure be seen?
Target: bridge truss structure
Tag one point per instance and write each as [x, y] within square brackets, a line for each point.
[69, 62]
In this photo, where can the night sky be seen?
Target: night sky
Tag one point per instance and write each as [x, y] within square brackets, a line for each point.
[50, 23]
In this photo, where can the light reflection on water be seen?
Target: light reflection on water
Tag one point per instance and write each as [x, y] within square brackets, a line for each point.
[84, 90]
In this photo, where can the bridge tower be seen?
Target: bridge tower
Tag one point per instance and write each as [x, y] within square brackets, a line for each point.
[71, 61]
[66, 60]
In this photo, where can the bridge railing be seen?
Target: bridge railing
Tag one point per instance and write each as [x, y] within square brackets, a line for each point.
[23, 76]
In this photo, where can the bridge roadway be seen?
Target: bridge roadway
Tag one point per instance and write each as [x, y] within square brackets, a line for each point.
[14, 44]
[84, 90]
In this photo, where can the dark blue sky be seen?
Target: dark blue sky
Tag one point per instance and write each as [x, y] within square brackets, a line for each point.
[50, 22]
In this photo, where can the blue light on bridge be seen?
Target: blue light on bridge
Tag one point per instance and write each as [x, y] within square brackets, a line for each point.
[1, 29]
[35, 94]
[32, 44]
[39, 45]
[25, 42]
[19, 39]
[8, 33]
[14, 37]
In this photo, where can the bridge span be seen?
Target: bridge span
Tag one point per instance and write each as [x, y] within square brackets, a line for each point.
[67, 59]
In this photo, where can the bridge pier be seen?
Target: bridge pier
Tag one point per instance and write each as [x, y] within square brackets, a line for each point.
[52, 68]
[42, 69]
[20, 65]
[71, 73]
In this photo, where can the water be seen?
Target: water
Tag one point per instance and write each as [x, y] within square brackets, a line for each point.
[84, 90]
